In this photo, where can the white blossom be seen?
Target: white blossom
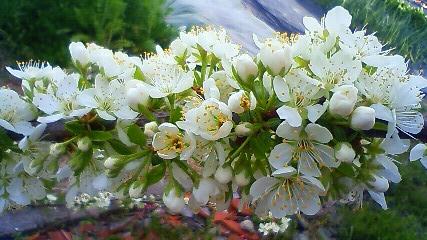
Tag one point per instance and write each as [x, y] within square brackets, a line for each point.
[169, 142]
[15, 113]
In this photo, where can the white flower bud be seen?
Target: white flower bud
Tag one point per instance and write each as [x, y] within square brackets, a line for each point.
[150, 129]
[79, 53]
[136, 96]
[276, 59]
[343, 100]
[245, 67]
[135, 190]
[56, 149]
[243, 129]
[223, 174]
[179, 48]
[84, 143]
[111, 162]
[173, 202]
[363, 118]
[344, 152]
[240, 102]
[379, 184]
[241, 179]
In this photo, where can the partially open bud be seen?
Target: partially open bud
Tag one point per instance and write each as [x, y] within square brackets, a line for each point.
[379, 184]
[243, 129]
[84, 144]
[343, 100]
[135, 189]
[224, 174]
[241, 179]
[344, 152]
[79, 53]
[136, 96]
[363, 118]
[276, 58]
[56, 149]
[173, 202]
[241, 101]
[111, 162]
[150, 129]
[245, 66]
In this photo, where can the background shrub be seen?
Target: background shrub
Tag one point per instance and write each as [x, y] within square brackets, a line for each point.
[42, 29]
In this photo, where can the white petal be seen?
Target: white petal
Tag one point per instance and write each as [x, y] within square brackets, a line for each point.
[337, 19]
[308, 166]
[395, 145]
[379, 198]
[45, 102]
[86, 98]
[7, 125]
[311, 204]
[262, 186]
[316, 111]
[286, 131]
[281, 89]
[280, 155]
[126, 112]
[284, 172]
[314, 181]
[418, 152]
[51, 118]
[291, 115]
[105, 115]
[311, 24]
[24, 128]
[382, 112]
[318, 133]
[210, 90]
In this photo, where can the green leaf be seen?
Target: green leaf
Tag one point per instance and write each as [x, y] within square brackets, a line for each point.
[75, 127]
[120, 147]
[80, 160]
[100, 136]
[138, 74]
[136, 135]
[346, 170]
[175, 115]
[5, 141]
[155, 174]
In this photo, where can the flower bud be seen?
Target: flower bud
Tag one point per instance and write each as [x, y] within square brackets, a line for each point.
[241, 179]
[240, 102]
[379, 184]
[243, 129]
[79, 53]
[84, 144]
[56, 149]
[343, 100]
[245, 67]
[363, 118]
[135, 190]
[150, 129]
[344, 152]
[173, 202]
[276, 58]
[111, 162]
[136, 96]
[223, 174]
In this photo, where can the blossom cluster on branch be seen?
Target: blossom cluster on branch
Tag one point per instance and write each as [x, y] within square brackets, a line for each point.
[287, 128]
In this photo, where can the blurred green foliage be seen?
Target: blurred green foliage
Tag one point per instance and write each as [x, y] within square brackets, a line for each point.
[43, 29]
[404, 220]
[395, 22]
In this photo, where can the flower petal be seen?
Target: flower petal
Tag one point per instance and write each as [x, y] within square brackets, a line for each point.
[291, 115]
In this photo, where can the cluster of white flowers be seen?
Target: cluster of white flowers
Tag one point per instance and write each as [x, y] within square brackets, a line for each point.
[274, 227]
[287, 128]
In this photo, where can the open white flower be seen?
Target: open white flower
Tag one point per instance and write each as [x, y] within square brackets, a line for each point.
[61, 103]
[108, 99]
[300, 93]
[211, 120]
[170, 143]
[241, 101]
[15, 113]
[419, 152]
[337, 22]
[308, 148]
[361, 46]
[32, 70]
[163, 79]
[339, 69]
[286, 193]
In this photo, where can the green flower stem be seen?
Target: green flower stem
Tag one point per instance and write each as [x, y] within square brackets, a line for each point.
[238, 150]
